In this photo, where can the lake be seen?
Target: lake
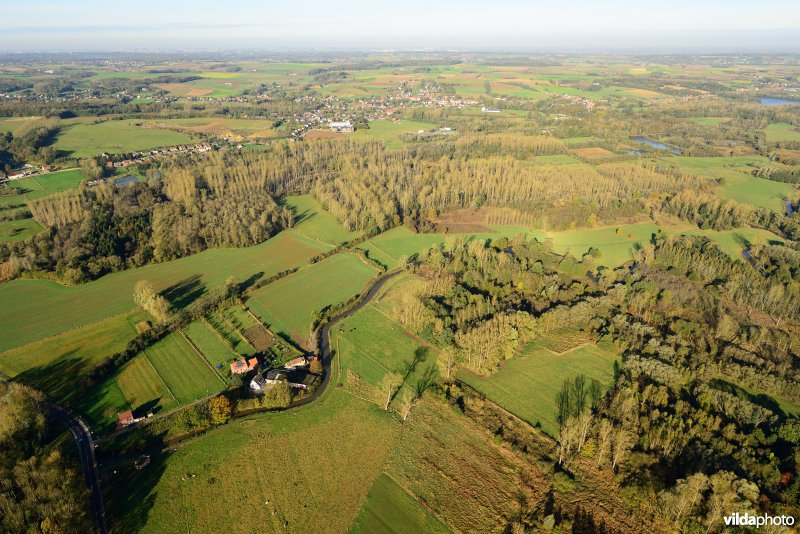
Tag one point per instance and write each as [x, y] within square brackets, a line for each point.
[768, 101]
[656, 144]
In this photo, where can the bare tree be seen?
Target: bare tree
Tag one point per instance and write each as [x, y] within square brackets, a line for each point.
[390, 384]
[623, 441]
[409, 401]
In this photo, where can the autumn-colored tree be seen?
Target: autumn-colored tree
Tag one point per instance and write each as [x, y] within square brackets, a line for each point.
[220, 409]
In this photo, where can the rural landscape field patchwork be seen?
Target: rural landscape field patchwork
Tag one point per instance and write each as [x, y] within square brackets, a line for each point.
[389, 292]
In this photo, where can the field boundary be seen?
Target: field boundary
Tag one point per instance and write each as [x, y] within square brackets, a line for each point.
[201, 355]
[144, 353]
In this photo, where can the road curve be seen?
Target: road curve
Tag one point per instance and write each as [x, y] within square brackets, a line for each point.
[85, 445]
[325, 340]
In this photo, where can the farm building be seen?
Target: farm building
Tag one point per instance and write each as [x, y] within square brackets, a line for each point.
[297, 362]
[125, 419]
[297, 378]
[243, 366]
[484, 109]
[341, 127]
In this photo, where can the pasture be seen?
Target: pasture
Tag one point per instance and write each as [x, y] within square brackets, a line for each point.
[287, 305]
[18, 230]
[185, 374]
[42, 185]
[777, 133]
[50, 308]
[391, 132]
[389, 509]
[54, 364]
[526, 385]
[223, 327]
[81, 139]
[271, 468]
[372, 344]
[214, 349]
[313, 222]
[142, 385]
[738, 185]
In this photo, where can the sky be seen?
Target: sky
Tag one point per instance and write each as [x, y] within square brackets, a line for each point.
[514, 25]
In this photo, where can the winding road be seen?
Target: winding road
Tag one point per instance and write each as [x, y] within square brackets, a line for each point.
[85, 445]
[325, 339]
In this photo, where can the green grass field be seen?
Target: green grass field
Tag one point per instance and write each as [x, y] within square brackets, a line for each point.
[102, 404]
[316, 223]
[186, 375]
[738, 186]
[390, 132]
[371, 344]
[18, 230]
[390, 510]
[141, 385]
[782, 132]
[83, 139]
[305, 470]
[42, 185]
[54, 365]
[215, 350]
[50, 308]
[616, 244]
[225, 328]
[709, 121]
[527, 384]
[287, 305]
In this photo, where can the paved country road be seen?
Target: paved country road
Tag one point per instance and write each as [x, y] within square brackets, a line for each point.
[83, 440]
[325, 341]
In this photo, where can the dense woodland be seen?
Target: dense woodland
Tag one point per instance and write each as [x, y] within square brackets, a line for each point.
[694, 329]
[228, 199]
[41, 488]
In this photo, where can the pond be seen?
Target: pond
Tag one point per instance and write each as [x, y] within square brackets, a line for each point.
[769, 101]
[656, 144]
[126, 180]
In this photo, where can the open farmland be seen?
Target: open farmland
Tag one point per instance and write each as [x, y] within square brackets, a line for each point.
[18, 230]
[85, 139]
[391, 132]
[222, 325]
[777, 133]
[389, 509]
[51, 308]
[372, 345]
[739, 185]
[42, 185]
[350, 437]
[216, 351]
[53, 364]
[527, 384]
[185, 374]
[287, 305]
[142, 386]
[315, 223]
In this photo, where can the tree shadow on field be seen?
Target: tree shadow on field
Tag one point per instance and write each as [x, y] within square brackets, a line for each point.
[129, 494]
[251, 281]
[185, 292]
[145, 408]
[61, 380]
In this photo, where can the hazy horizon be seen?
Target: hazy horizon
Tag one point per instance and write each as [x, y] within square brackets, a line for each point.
[506, 25]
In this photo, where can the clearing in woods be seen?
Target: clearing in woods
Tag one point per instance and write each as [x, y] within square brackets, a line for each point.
[526, 385]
